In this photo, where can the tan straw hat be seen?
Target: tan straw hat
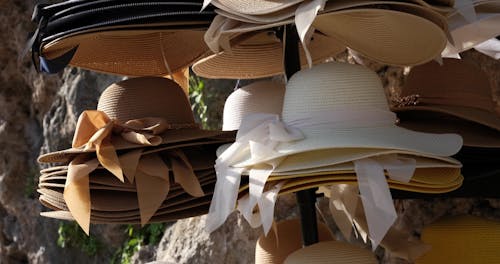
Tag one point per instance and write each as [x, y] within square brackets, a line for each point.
[130, 51]
[257, 97]
[462, 240]
[275, 247]
[334, 92]
[455, 97]
[331, 252]
[140, 101]
[260, 54]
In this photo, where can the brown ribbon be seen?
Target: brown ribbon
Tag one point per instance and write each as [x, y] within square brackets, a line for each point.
[149, 172]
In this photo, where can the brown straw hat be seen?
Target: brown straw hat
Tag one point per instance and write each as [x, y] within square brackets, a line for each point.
[260, 54]
[455, 97]
[275, 247]
[145, 98]
[331, 252]
[129, 51]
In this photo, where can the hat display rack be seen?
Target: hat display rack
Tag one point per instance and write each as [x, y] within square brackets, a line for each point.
[161, 144]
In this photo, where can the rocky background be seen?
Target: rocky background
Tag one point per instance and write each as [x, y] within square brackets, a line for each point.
[38, 114]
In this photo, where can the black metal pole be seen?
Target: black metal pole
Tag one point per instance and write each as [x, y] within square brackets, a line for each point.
[305, 199]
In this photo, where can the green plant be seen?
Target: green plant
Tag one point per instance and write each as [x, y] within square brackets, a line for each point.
[137, 237]
[30, 186]
[196, 97]
[71, 235]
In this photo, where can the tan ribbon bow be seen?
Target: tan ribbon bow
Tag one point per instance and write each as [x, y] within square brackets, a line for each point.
[149, 172]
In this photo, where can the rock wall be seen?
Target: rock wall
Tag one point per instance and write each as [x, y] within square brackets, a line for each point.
[38, 114]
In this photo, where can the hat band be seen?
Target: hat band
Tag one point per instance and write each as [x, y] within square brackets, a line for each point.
[259, 135]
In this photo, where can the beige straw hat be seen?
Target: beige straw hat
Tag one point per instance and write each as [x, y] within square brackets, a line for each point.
[334, 87]
[145, 98]
[331, 252]
[260, 54]
[131, 52]
[453, 97]
[257, 97]
[460, 240]
[275, 247]
[254, 7]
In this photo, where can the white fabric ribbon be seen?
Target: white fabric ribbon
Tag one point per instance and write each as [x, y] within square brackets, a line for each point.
[490, 48]
[466, 9]
[375, 195]
[304, 16]
[205, 4]
[258, 137]
[265, 215]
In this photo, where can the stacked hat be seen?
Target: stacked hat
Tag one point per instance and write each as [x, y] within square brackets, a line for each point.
[456, 97]
[335, 127]
[133, 38]
[331, 252]
[474, 24]
[462, 239]
[390, 32]
[139, 157]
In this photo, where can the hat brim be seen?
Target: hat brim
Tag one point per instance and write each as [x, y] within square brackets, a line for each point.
[170, 139]
[383, 138]
[254, 7]
[479, 128]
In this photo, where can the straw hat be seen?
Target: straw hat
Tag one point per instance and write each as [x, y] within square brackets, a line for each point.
[258, 55]
[463, 239]
[455, 97]
[146, 97]
[331, 252]
[258, 97]
[256, 7]
[272, 249]
[334, 87]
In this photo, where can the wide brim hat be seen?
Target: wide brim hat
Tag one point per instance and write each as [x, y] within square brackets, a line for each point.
[259, 55]
[331, 252]
[132, 51]
[257, 7]
[461, 239]
[398, 37]
[455, 89]
[276, 246]
[148, 97]
[332, 87]
[257, 97]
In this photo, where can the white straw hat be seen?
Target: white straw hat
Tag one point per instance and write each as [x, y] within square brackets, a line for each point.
[330, 88]
[258, 97]
[254, 7]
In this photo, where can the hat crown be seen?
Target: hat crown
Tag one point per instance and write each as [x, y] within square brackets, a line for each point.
[146, 97]
[330, 86]
[258, 97]
[456, 82]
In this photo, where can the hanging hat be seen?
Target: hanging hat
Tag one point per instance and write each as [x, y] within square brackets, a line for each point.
[455, 97]
[155, 107]
[461, 239]
[257, 97]
[259, 55]
[331, 252]
[134, 38]
[257, 7]
[275, 247]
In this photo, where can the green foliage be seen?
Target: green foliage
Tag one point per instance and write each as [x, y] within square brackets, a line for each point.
[71, 235]
[196, 97]
[30, 187]
[137, 237]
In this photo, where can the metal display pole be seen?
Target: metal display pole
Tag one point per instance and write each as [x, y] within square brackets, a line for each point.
[306, 199]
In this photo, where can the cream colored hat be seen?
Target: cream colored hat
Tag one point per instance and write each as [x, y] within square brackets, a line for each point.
[258, 97]
[334, 106]
[331, 252]
[274, 248]
[255, 7]
[259, 55]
